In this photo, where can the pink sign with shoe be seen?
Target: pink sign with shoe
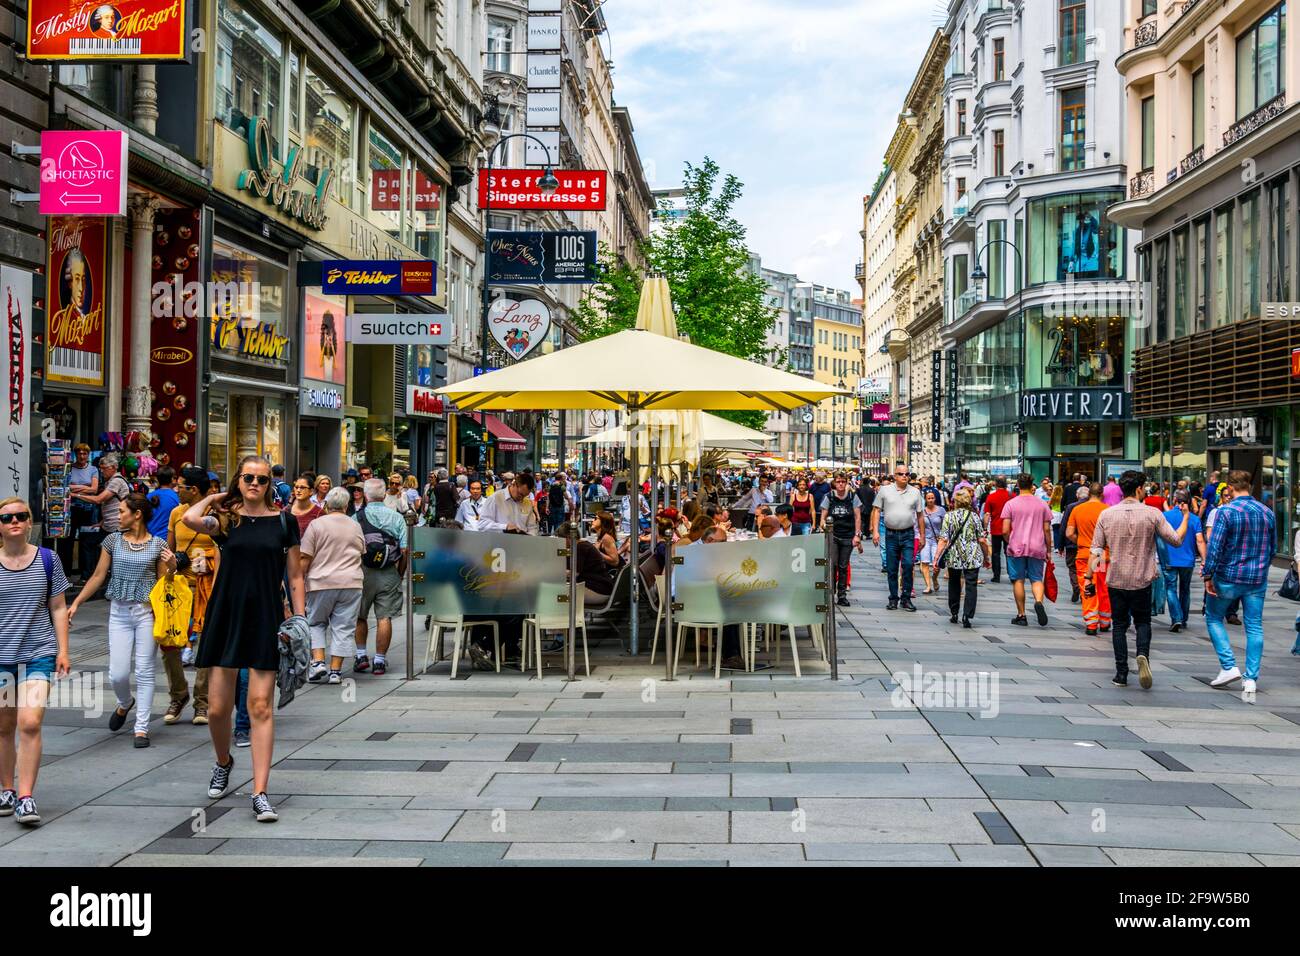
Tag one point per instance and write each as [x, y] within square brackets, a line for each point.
[83, 173]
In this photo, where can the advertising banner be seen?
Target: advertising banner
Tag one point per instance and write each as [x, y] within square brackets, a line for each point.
[174, 337]
[517, 189]
[771, 581]
[423, 402]
[83, 172]
[76, 295]
[379, 277]
[488, 572]
[323, 354]
[519, 327]
[544, 32]
[120, 30]
[16, 373]
[539, 258]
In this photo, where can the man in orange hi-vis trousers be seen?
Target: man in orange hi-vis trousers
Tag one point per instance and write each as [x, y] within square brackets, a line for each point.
[1083, 521]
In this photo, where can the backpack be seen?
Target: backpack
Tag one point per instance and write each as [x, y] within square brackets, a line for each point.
[283, 492]
[382, 549]
[47, 562]
[555, 496]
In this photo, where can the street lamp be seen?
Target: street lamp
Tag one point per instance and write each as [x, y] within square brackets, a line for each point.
[547, 184]
[843, 421]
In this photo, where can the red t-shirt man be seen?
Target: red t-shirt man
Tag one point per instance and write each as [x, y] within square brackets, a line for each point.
[1155, 501]
[993, 506]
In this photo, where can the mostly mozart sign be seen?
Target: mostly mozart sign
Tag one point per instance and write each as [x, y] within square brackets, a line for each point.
[122, 31]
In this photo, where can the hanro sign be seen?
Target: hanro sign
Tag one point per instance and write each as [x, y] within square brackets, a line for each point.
[389, 329]
[517, 189]
[83, 173]
[544, 32]
[519, 327]
[119, 30]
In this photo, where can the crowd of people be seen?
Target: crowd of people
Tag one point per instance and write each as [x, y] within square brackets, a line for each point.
[321, 560]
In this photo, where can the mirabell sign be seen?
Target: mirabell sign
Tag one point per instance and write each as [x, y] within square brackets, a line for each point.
[274, 182]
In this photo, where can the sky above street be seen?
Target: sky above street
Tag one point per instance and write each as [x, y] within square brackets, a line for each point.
[798, 98]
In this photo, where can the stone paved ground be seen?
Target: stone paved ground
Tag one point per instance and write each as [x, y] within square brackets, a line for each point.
[759, 769]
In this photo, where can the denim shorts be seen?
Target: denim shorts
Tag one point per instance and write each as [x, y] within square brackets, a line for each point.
[42, 668]
[1020, 568]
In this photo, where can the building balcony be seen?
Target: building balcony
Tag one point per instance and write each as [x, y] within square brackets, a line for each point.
[1146, 34]
[965, 302]
[1143, 184]
[860, 271]
[1256, 120]
[1192, 160]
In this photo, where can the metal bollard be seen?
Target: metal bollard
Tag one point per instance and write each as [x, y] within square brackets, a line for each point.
[829, 628]
[410, 593]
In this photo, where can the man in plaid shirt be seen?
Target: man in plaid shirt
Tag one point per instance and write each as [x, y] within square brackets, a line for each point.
[1236, 566]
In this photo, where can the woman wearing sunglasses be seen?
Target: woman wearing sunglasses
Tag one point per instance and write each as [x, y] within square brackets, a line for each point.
[33, 648]
[132, 559]
[245, 613]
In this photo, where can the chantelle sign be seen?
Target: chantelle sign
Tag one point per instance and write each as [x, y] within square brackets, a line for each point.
[379, 277]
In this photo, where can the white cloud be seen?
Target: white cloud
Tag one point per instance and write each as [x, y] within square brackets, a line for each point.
[799, 100]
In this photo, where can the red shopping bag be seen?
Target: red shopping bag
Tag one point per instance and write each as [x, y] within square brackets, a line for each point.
[1049, 581]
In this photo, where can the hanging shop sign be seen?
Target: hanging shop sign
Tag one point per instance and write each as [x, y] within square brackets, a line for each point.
[379, 277]
[274, 182]
[321, 400]
[83, 172]
[542, 148]
[1279, 310]
[542, 110]
[1075, 405]
[16, 373]
[1295, 363]
[323, 356]
[423, 402]
[880, 412]
[540, 258]
[952, 383]
[251, 339]
[390, 329]
[517, 189]
[75, 298]
[936, 395]
[121, 31]
[543, 71]
[544, 6]
[544, 32]
[519, 327]
[174, 337]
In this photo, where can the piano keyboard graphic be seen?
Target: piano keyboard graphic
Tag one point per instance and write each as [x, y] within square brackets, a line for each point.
[95, 46]
[76, 363]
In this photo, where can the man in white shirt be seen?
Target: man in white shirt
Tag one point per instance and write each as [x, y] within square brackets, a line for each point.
[470, 509]
[511, 508]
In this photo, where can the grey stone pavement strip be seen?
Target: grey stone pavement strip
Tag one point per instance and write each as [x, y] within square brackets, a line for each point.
[1052, 767]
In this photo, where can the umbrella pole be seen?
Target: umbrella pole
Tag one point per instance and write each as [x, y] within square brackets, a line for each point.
[571, 656]
[634, 528]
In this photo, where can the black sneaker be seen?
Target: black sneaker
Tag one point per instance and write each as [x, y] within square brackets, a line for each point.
[843, 602]
[1090, 631]
[1074, 597]
[965, 622]
[1233, 619]
[1020, 621]
[891, 606]
[361, 664]
[1120, 680]
[116, 719]
[380, 668]
[1041, 613]
[25, 813]
[907, 605]
[953, 618]
[1175, 627]
[263, 809]
[8, 802]
[220, 781]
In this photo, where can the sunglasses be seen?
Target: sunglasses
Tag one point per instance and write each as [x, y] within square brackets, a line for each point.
[259, 480]
[302, 487]
[19, 516]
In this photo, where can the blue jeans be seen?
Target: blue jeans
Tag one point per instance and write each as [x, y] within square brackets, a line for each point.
[801, 527]
[243, 725]
[1252, 605]
[1178, 594]
[884, 564]
[900, 549]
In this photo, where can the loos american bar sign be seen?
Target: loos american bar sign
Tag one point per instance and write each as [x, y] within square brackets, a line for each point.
[540, 258]
[120, 30]
[1074, 405]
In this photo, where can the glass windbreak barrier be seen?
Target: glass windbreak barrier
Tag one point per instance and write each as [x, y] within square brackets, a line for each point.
[487, 573]
[771, 581]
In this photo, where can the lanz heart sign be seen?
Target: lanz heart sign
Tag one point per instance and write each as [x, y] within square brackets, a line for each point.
[519, 327]
[83, 173]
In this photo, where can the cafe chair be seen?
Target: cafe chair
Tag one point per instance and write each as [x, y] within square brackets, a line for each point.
[767, 631]
[552, 615]
[437, 623]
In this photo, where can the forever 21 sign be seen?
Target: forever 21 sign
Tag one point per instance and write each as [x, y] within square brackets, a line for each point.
[1074, 405]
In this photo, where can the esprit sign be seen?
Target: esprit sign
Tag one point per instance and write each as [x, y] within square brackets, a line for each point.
[1074, 405]
[517, 189]
[519, 327]
[399, 330]
[122, 31]
[83, 173]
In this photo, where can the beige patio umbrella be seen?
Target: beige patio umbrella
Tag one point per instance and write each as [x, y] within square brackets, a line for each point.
[715, 432]
[667, 437]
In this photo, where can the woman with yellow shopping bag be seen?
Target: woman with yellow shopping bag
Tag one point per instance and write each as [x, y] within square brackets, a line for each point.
[132, 560]
[196, 559]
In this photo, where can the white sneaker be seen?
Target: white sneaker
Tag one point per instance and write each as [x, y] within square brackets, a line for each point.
[1226, 677]
[187, 655]
[319, 669]
[1248, 692]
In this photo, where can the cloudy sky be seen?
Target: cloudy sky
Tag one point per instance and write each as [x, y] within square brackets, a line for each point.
[796, 97]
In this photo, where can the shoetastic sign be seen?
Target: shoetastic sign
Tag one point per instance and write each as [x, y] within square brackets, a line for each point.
[1075, 405]
[517, 189]
[121, 30]
[389, 329]
[83, 173]
[378, 277]
[541, 258]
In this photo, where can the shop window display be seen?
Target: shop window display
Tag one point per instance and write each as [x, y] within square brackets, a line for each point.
[1069, 235]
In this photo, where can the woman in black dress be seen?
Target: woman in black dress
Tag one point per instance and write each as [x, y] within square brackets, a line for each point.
[259, 544]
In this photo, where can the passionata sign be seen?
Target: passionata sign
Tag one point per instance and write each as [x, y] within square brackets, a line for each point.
[83, 173]
[517, 189]
[121, 30]
[1074, 405]
[389, 329]
[519, 327]
[378, 277]
[274, 182]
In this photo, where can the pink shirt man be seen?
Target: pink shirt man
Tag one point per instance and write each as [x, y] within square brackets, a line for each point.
[1026, 512]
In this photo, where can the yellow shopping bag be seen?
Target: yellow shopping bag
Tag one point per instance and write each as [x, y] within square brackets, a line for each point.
[172, 601]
